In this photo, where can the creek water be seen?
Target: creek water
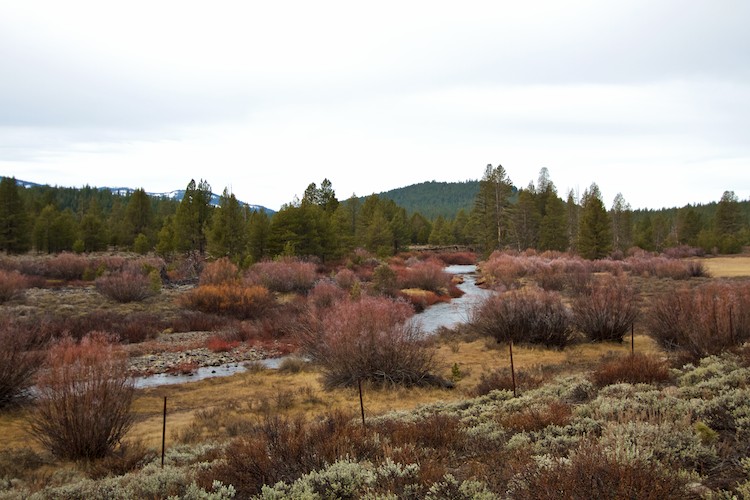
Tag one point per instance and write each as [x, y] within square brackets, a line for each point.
[433, 318]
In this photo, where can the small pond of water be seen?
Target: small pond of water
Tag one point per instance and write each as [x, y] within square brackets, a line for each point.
[434, 317]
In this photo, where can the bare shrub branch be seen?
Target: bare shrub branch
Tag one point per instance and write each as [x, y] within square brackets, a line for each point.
[607, 310]
[528, 315]
[369, 339]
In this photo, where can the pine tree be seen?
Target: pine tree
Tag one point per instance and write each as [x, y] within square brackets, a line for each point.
[227, 236]
[526, 219]
[553, 234]
[688, 226]
[259, 225]
[595, 232]
[490, 208]
[14, 230]
[192, 218]
[622, 224]
[138, 216]
[93, 233]
[573, 212]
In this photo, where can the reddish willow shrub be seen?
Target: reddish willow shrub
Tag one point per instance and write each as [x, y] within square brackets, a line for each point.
[197, 321]
[663, 267]
[458, 258]
[369, 339]
[20, 357]
[127, 327]
[551, 270]
[12, 284]
[607, 310]
[220, 272]
[705, 320]
[242, 302]
[325, 294]
[83, 399]
[284, 275]
[426, 275]
[127, 286]
[346, 278]
[65, 266]
[529, 315]
[503, 270]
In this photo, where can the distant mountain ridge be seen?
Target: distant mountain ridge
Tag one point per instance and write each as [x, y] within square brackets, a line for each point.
[176, 195]
[432, 199]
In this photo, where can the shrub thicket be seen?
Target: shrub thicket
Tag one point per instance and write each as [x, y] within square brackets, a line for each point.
[238, 301]
[220, 272]
[369, 339]
[637, 368]
[704, 320]
[12, 284]
[607, 309]
[127, 286]
[426, 275]
[83, 399]
[527, 315]
[592, 473]
[283, 275]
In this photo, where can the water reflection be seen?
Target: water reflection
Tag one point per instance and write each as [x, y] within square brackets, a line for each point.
[457, 310]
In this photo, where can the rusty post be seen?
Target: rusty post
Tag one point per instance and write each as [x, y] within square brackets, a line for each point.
[164, 432]
[361, 402]
[512, 368]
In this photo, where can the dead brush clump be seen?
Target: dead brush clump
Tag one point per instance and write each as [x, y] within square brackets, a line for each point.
[537, 417]
[637, 368]
[12, 285]
[590, 472]
[436, 434]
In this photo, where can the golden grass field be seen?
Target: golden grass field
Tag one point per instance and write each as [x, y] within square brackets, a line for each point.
[214, 407]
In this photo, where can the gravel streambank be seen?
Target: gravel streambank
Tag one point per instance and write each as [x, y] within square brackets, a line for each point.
[184, 352]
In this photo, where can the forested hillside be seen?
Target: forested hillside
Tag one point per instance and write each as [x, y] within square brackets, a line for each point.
[433, 199]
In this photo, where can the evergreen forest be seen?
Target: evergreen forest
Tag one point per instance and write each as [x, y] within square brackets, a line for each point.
[486, 215]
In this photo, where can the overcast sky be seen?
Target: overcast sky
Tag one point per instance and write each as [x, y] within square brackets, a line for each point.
[647, 98]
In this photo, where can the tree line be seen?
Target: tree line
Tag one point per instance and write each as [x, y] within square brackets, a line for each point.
[46, 219]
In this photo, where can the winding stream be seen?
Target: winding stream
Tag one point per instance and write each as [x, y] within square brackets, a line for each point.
[434, 317]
